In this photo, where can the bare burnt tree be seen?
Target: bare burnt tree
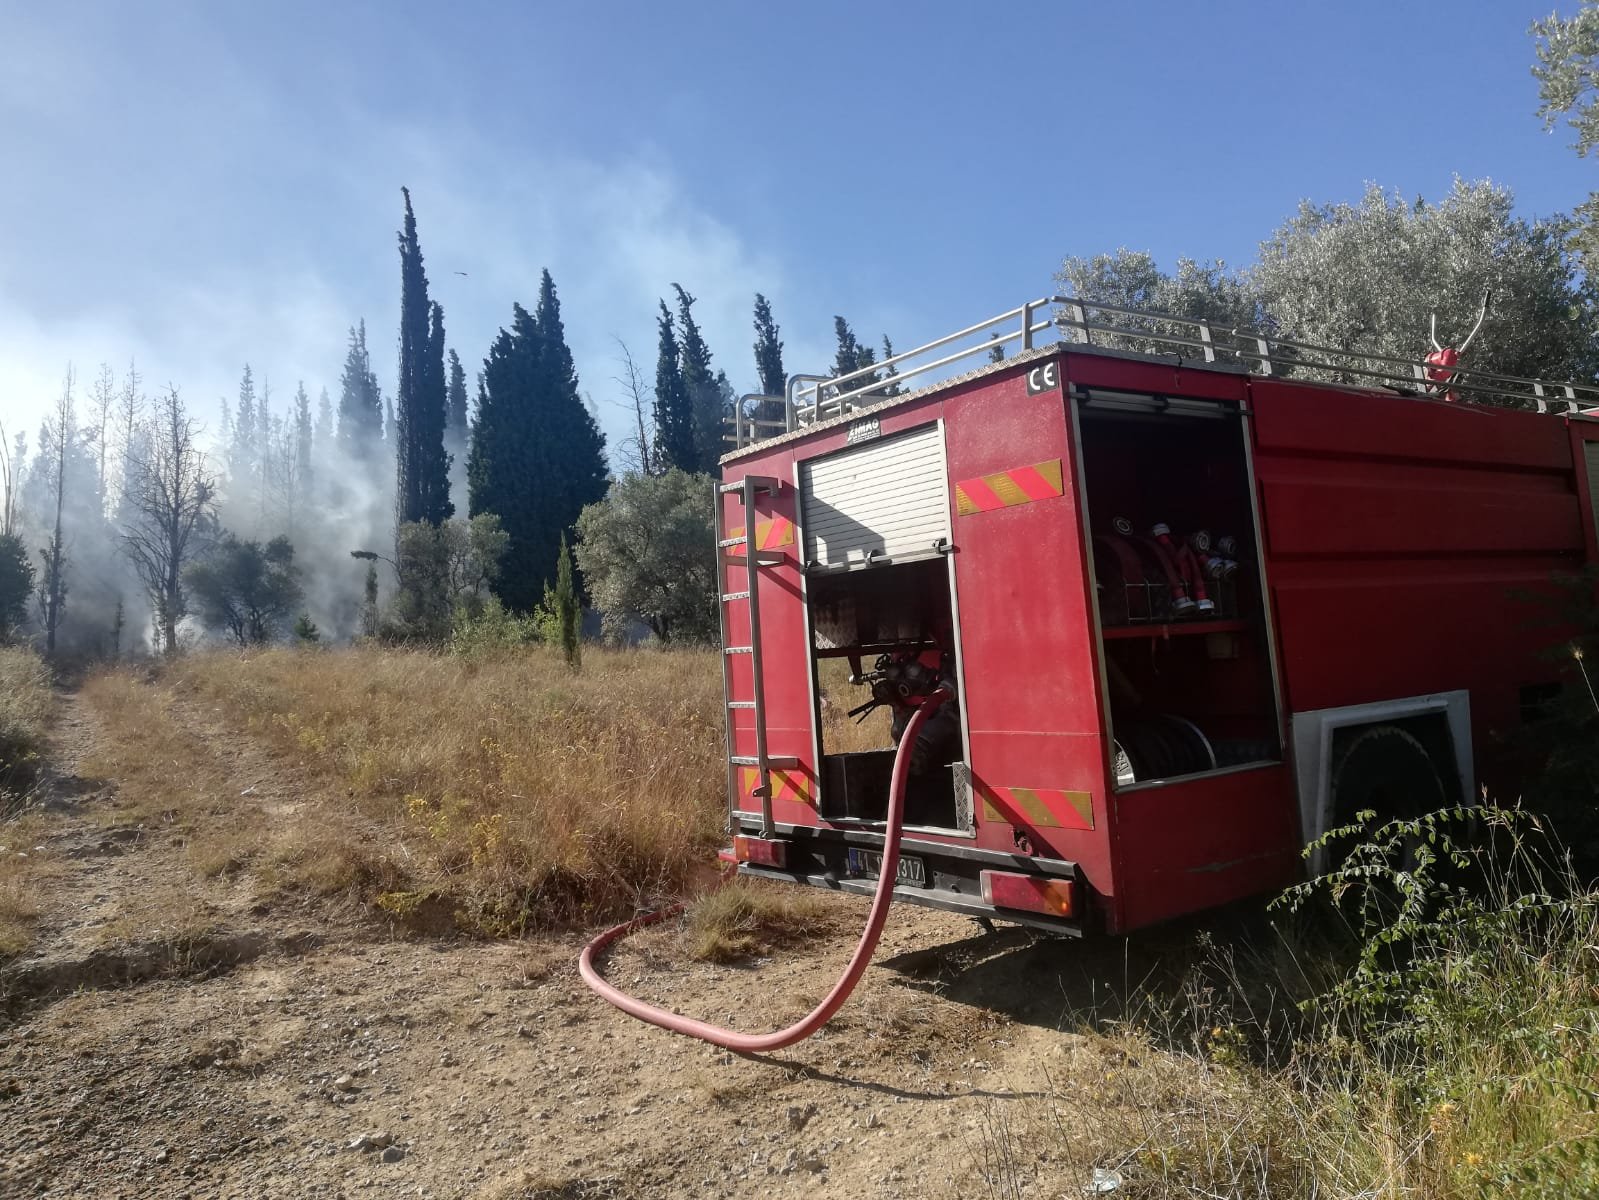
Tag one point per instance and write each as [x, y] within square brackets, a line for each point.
[102, 399]
[59, 430]
[635, 451]
[169, 513]
[9, 468]
[132, 434]
[283, 475]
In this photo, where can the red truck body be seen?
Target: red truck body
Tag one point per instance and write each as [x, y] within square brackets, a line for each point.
[1391, 550]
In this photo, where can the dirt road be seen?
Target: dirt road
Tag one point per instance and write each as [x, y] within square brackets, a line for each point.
[172, 1035]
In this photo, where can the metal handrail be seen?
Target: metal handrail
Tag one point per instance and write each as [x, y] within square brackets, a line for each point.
[832, 396]
[812, 398]
[1248, 346]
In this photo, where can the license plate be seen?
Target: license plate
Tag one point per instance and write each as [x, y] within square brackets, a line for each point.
[911, 869]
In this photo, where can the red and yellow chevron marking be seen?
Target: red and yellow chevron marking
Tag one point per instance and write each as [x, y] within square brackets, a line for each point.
[1042, 808]
[770, 534]
[786, 784]
[1019, 485]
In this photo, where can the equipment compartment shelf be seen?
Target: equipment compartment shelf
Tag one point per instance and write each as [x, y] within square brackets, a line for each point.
[866, 651]
[1174, 628]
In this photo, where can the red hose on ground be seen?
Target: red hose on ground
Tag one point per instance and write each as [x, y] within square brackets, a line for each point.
[753, 1043]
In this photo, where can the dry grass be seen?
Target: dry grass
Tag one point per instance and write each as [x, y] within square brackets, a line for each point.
[18, 912]
[25, 705]
[171, 776]
[498, 795]
[842, 733]
[750, 917]
[25, 708]
[1472, 1073]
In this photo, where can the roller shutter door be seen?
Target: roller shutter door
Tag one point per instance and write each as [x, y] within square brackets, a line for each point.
[879, 502]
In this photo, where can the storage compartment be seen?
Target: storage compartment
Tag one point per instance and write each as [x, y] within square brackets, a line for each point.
[882, 639]
[1177, 583]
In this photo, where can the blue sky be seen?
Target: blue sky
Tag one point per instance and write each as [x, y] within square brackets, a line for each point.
[197, 185]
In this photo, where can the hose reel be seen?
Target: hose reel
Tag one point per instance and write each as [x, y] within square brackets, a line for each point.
[1159, 748]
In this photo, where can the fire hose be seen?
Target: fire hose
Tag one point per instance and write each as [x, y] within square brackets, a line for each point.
[753, 1043]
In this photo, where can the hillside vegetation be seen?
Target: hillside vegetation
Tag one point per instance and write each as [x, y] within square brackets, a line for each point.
[495, 795]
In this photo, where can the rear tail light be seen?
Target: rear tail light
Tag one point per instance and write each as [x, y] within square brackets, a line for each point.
[1032, 893]
[760, 851]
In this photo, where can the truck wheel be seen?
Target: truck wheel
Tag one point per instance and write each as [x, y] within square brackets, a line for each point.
[1385, 769]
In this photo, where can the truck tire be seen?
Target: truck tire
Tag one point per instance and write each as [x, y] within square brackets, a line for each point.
[1386, 769]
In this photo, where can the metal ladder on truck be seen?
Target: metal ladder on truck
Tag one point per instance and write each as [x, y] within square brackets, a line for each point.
[751, 560]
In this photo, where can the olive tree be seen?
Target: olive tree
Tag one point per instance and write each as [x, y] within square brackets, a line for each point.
[1368, 276]
[442, 573]
[245, 589]
[647, 552]
[1132, 279]
[1568, 87]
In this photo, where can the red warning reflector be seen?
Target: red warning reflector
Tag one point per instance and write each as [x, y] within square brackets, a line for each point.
[760, 851]
[726, 856]
[1032, 893]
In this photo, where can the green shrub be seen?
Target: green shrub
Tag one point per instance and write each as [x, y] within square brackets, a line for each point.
[1468, 1020]
[489, 628]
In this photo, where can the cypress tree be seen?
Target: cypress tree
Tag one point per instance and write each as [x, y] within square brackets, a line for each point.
[455, 415]
[704, 400]
[302, 437]
[556, 373]
[674, 420]
[568, 608]
[890, 372]
[324, 422]
[576, 447]
[537, 457]
[846, 358]
[264, 430]
[768, 350]
[422, 469]
[435, 454]
[242, 449]
[851, 356]
[360, 405]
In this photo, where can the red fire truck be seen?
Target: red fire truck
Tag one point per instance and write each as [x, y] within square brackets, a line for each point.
[1193, 608]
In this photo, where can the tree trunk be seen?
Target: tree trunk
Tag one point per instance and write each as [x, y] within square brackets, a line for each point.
[52, 608]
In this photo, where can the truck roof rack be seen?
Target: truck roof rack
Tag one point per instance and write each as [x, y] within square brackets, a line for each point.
[1070, 320]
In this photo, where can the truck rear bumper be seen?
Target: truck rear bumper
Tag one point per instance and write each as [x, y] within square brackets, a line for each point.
[950, 875]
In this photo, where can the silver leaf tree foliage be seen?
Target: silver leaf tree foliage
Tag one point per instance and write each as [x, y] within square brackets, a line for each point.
[1568, 79]
[1368, 275]
[1567, 71]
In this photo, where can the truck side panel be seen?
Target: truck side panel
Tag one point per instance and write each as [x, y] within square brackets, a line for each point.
[1405, 544]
